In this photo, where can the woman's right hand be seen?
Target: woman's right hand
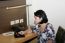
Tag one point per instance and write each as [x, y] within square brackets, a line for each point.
[21, 32]
[28, 30]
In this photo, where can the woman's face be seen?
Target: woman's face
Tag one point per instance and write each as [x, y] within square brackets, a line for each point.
[37, 19]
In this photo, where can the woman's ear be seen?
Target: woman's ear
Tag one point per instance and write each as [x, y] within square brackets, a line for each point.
[41, 18]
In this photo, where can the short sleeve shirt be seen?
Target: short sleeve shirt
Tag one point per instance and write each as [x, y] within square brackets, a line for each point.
[48, 34]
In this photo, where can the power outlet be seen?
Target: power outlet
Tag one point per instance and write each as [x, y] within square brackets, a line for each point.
[21, 20]
[12, 22]
[16, 21]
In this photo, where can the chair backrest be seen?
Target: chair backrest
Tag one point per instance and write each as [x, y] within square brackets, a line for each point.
[59, 35]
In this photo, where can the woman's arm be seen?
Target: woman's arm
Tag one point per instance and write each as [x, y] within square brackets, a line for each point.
[49, 41]
[51, 34]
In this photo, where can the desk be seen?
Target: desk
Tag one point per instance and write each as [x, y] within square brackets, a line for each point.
[11, 39]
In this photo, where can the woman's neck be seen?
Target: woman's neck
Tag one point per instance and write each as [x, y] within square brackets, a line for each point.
[42, 27]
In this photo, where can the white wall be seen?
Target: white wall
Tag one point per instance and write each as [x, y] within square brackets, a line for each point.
[55, 10]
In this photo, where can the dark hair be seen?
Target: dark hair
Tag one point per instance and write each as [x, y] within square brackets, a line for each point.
[41, 14]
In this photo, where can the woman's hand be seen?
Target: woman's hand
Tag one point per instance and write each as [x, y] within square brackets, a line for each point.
[21, 32]
[28, 31]
[49, 41]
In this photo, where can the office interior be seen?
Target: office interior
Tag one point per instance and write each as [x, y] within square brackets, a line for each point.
[21, 13]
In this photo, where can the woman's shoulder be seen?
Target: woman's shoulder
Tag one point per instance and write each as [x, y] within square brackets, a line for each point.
[50, 27]
[49, 24]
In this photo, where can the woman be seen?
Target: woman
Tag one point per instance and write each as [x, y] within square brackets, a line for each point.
[43, 29]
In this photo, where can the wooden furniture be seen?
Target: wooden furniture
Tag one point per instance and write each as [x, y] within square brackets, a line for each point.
[11, 39]
[8, 15]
